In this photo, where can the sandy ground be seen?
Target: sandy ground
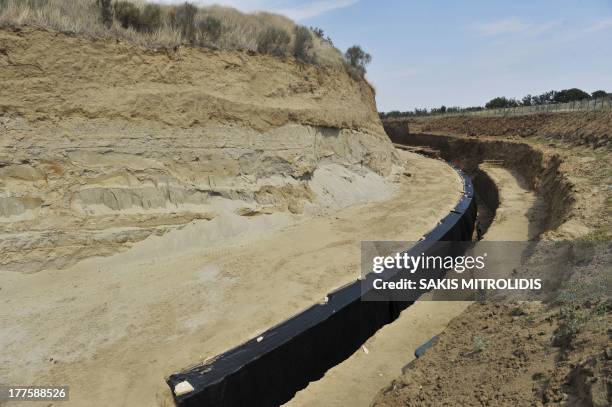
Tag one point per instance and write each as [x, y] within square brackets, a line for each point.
[113, 327]
[357, 380]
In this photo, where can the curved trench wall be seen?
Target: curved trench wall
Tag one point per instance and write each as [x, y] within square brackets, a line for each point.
[487, 198]
[486, 190]
[270, 369]
[540, 170]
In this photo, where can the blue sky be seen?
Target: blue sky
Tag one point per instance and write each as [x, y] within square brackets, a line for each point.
[462, 53]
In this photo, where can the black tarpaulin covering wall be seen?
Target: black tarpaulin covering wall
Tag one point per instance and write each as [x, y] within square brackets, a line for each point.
[300, 350]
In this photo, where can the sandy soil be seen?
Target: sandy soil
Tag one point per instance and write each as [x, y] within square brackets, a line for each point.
[104, 143]
[532, 353]
[53, 76]
[357, 380]
[113, 327]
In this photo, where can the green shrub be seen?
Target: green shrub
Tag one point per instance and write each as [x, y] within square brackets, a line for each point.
[273, 41]
[210, 28]
[185, 19]
[151, 18]
[106, 12]
[318, 32]
[302, 44]
[127, 14]
[478, 344]
[572, 321]
[580, 303]
[357, 59]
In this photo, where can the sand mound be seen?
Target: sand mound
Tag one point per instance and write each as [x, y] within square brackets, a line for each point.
[104, 143]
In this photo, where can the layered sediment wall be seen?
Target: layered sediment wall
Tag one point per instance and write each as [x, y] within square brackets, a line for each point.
[103, 143]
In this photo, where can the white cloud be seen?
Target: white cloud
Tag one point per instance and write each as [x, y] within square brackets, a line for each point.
[604, 24]
[507, 26]
[314, 8]
[513, 25]
[536, 29]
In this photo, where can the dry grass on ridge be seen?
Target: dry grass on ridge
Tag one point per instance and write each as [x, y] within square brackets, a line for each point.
[239, 30]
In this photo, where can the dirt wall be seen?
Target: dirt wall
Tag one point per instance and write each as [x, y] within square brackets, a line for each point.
[539, 353]
[578, 128]
[103, 142]
[540, 170]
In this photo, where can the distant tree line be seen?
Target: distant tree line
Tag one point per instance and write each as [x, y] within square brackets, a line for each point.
[546, 98]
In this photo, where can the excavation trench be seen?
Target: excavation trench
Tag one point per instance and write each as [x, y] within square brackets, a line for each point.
[515, 187]
[181, 298]
[539, 171]
[360, 364]
[187, 318]
[272, 367]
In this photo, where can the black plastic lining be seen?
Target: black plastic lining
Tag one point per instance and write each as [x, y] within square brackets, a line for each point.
[290, 355]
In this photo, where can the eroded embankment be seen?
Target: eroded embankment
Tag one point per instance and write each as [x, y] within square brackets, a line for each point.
[104, 143]
[539, 169]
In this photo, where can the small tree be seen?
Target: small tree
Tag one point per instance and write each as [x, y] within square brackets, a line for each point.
[544, 98]
[501, 102]
[302, 43]
[526, 100]
[599, 94]
[210, 28]
[273, 41]
[358, 58]
[569, 95]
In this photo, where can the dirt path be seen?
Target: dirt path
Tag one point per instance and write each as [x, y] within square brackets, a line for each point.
[113, 327]
[357, 380]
